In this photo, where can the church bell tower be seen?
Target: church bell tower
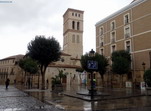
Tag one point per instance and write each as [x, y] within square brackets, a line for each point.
[73, 32]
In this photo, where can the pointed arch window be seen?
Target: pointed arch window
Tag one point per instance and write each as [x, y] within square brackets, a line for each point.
[73, 38]
[78, 39]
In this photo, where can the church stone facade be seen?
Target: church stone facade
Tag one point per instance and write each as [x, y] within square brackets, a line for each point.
[73, 32]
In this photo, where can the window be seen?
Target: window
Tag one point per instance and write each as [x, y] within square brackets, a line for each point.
[101, 44]
[73, 38]
[76, 14]
[113, 48]
[127, 31]
[101, 30]
[72, 14]
[128, 46]
[112, 25]
[102, 51]
[12, 72]
[79, 15]
[101, 41]
[78, 25]
[126, 19]
[78, 39]
[73, 24]
[113, 36]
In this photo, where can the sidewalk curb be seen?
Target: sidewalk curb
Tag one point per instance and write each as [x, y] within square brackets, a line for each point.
[102, 99]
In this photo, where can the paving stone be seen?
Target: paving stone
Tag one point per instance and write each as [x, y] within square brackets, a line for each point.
[119, 100]
[13, 99]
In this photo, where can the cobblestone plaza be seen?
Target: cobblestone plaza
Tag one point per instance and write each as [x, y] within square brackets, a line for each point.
[15, 99]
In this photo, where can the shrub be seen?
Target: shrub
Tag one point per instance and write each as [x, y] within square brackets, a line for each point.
[147, 77]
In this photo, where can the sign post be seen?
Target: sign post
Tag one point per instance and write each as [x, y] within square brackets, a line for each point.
[92, 65]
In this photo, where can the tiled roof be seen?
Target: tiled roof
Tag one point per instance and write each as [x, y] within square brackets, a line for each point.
[19, 56]
[75, 58]
[71, 9]
[65, 54]
[133, 1]
[63, 65]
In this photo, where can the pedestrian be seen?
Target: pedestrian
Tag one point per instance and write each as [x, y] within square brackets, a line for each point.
[7, 83]
[47, 83]
[94, 83]
[28, 83]
[14, 81]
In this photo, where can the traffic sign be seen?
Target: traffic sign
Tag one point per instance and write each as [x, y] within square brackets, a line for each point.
[92, 64]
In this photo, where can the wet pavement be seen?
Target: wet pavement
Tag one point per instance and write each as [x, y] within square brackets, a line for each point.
[118, 99]
[13, 99]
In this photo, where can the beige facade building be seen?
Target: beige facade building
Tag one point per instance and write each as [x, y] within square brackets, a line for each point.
[128, 29]
[72, 48]
[69, 66]
[9, 69]
[73, 32]
[70, 56]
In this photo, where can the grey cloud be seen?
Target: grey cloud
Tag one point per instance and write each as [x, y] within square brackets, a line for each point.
[23, 12]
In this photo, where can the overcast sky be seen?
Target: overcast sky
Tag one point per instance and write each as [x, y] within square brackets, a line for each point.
[22, 20]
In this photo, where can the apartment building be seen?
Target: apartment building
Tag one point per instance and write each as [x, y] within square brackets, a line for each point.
[130, 29]
[10, 69]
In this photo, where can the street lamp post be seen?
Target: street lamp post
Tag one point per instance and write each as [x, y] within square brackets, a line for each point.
[143, 64]
[92, 66]
[150, 58]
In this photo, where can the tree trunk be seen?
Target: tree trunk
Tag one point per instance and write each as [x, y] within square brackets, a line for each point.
[38, 80]
[102, 80]
[43, 69]
[43, 81]
[120, 81]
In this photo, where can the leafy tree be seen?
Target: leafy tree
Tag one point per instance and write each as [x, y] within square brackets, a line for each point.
[121, 53]
[147, 77]
[121, 66]
[102, 64]
[121, 62]
[44, 50]
[57, 80]
[79, 70]
[29, 65]
[84, 61]
[62, 75]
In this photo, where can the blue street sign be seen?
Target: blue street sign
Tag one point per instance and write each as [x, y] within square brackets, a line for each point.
[92, 64]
